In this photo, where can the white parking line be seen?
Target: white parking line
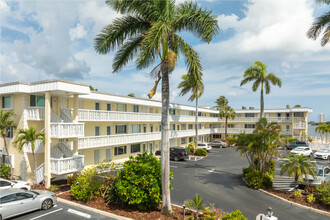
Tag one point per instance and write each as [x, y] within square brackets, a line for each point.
[174, 166]
[79, 213]
[178, 162]
[48, 213]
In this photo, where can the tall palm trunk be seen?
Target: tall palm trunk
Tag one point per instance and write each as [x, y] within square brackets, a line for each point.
[196, 122]
[226, 127]
[262, 101]
[165, 159]
[11, 167]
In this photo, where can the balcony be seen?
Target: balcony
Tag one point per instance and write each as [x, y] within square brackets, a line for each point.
[35, 114]
[67, 130]
[300, 125]
[60, 166]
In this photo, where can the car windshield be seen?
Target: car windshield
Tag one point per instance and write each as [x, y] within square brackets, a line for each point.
[299, 149]
[323, 151]
[320, 172]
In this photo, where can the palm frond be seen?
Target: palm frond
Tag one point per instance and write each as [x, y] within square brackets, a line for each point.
[317, 27]
[256, 85]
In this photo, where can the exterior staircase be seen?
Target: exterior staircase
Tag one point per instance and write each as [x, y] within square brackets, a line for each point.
[283, 183]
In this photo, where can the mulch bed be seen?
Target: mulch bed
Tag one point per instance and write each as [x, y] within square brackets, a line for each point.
[63, 186]
[302, 200]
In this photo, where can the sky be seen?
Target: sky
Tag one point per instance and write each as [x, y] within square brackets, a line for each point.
[47, 39]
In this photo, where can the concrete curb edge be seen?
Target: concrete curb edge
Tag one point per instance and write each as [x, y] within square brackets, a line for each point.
[98, 211]
[297, 204]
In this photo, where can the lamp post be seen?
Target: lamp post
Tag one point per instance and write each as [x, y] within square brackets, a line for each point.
[184, 210]
[269, 212]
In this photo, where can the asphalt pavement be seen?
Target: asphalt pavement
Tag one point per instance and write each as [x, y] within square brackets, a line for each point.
[218, 178]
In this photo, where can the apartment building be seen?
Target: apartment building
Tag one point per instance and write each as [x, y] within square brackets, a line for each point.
[84, 127]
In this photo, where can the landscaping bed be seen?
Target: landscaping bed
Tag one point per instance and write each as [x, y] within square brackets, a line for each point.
[302, 200]
[63, 186]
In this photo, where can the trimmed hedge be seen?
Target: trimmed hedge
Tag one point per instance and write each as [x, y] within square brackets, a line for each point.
[200, 152]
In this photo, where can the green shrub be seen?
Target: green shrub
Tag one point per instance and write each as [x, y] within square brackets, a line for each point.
[237, 215]
[323, 193]
[4, 171]
[53, 187]
[212, 213]
[254, 179]
[231, 140]
[246, 170]
[310, 198]
[71, 178]
[270, 167]
[86, 186]
[297, 194]
[111, 195]
[139, 182]
[200, 152]
[267, 181]
[191, 147]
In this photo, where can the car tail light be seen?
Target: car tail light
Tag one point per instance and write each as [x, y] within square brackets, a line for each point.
[182, 153]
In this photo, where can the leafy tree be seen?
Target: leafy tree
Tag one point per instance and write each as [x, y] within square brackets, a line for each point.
[297, 166]
[193, 83]
[26, 137]
[297, 106]
[6, 123]
[221, 102]
[323, 130]
[321, 23]
[228, 113]
[131, 95]
[258, 74]
[148, 30]
[92, 88]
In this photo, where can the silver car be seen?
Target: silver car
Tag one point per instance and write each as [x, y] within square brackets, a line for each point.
[19, 201]
[7, 184]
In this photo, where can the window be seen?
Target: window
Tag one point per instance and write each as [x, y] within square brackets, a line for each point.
[135, 148]
[108, 107]
[199, 126]
[97, 106]
[120, 150]
[136, 129]
[9, 198]
[121, 129]
[231, 125]
[278, 115]
[287, 115]
[151, 110]
[144, 147]
[160, 127]
[172, 127]
[6, 102]
[172, 111]
[80, 104]
[4, 183]
[199, 114]
[21, 196]
[151, 148]
[191, 139]
[249, 125]
[151, 128]
[287, 127]
[249, 115]
[135, 108]
[121, 107]
[191, 113]
[9, 132]
[37, 101]
[216, 125]
[178, 127]
[144, 128]
[97, 131]
[144, 109]
[199, 138]
[298, 114]
[108, 130]
[239, 115]
[183, 127]
[183, 140]
[96, 156]
[108, 154]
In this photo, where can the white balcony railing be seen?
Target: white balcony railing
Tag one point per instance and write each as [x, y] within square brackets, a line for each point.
[300, 125]
[67, 130]
[36, 114]
[60, 166]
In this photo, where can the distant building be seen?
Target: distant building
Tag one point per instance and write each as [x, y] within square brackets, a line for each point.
[321, 118]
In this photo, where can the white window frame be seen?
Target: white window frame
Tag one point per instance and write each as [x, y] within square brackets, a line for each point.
[96, 156]
[108, 126]
[121, 125]
[97, 104]
[135, 151]
[97, 126]
[124, 147]
[106, 154]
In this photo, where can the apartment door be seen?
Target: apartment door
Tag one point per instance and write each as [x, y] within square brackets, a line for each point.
[144, 147]
[108, 155]
[151, 148]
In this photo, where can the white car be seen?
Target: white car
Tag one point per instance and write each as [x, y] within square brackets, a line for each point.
[204, 146]
[323, 154]
[306, 151]
[18, 184]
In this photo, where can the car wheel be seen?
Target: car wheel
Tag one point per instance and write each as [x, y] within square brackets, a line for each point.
[0, 217]
[311, 155]
[47, 204]
[176, 158]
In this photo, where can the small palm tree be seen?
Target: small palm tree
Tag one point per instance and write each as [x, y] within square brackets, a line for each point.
[322, 22]
[297, 166]
[192, 83]
[220, 102]
[6, 123]
[228, 113]
[258, 74]
[29, 136]
[196, 203]
[321, 129]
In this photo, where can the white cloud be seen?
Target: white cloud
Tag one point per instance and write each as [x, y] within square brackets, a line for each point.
[77, 32]
[227, 21]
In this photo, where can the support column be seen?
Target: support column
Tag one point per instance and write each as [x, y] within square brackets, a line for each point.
[47, 139]
[75, 147]
[75, 108]
[292, 125]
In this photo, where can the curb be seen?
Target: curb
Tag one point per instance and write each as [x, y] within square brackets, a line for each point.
[297, 204]
[98, 211]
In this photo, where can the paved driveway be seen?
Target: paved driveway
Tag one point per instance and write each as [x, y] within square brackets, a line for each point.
[218, 179]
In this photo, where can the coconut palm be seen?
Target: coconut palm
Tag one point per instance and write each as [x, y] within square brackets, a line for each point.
[6, 123]
[321, 23]
[192, 83]
[26, 137]
[228, 113]
[220, 102]
[297, 166]
[321, 129]
[148, 30]
[258, 74]
[196, 204]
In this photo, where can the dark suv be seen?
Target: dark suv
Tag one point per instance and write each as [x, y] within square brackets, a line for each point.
[176, 153]
[294, 144]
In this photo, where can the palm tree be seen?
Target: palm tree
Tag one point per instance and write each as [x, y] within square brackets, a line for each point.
[6, 123]
[297, 166]
[321, 129]
[29, 136]
[220, 102]
[322, 22]
[258, 74]
[148, 30]
[196, 204]
[195, 85]
[228, 113]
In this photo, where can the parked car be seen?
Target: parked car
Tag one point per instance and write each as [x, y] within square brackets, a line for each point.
[15, 202]
[7, 184]
[219, 144]
[322, 176]
[323, 154]
[294, 144]
[204, 146]
[176, 153]
[306, 151]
